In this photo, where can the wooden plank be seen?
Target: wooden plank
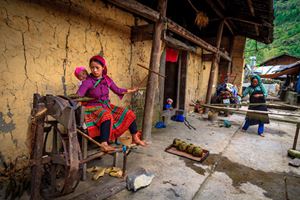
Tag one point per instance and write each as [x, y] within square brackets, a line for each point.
[102, 191]
[154, 66]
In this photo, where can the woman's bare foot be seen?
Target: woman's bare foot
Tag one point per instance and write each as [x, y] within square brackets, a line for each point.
[261, 135]
[106, 148]
[136, 139]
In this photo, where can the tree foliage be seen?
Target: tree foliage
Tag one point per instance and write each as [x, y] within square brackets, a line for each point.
[286, 33]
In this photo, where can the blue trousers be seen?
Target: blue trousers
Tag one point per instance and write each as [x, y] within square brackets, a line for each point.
[260, 130]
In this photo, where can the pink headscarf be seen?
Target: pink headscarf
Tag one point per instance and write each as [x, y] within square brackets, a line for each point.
[78, 70]
[101, 61]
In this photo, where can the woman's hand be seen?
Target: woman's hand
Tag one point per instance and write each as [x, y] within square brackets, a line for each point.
[133, 90]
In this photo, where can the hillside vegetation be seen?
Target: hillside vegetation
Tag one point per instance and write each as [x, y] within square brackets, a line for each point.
[286, 33]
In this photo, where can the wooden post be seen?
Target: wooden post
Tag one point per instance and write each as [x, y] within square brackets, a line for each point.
[229, 69]
[84, 145]
[37, 153]
[54, 151]
[154, 65]
[215, 63]
[178, 81]
[115, 159]
[296, 136]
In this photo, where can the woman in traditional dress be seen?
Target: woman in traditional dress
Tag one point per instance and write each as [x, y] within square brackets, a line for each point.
[258, 94]
[101, 117]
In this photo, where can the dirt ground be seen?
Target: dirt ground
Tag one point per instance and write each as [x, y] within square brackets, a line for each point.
[241, 165]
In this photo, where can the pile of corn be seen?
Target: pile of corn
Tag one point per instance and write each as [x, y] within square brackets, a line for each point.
[201, 19]
[188, 148]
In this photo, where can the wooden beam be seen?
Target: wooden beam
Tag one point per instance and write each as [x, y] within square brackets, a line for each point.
[251, 20]
[229, 68]
[142, 33]
[225, 55]
[228, 24]
[154, 66]
[221, 3]
[251, 8]
[137, 8]
[177, 44]
[144, 11]
[172, 26]
[215, 63]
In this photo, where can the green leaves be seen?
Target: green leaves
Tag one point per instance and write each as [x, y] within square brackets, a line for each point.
[286, 33]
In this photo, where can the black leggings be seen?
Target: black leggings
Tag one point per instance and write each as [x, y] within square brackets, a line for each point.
[105, 130]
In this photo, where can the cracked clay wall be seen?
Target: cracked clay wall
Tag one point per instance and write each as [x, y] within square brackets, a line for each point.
[193, 83]
[42, 42]
[198, 73]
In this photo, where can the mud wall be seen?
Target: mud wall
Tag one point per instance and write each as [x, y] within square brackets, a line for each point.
[42, 42]
[197, 79]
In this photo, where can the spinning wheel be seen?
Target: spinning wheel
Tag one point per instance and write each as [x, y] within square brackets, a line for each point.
[55, 148]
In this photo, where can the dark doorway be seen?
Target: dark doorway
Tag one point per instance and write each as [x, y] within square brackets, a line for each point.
[175, 82]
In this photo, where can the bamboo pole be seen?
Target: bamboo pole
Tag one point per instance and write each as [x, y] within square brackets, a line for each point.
[255, 104]
[151, 71]
[250, 111]
[89, 138]
[95, 142]
[142, 81]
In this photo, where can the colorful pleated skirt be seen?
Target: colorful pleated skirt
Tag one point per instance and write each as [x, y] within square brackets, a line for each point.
[120, 117]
